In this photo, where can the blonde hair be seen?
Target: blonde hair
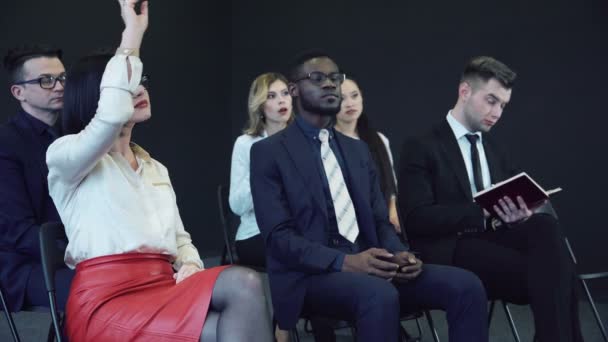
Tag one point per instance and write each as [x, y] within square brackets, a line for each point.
[258, 94]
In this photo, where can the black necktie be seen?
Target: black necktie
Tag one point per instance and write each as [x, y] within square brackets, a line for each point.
[472, 138]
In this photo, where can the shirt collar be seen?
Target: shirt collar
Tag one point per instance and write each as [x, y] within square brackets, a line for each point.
[38, 126]
[140, 152]
[311, 131]
[458, 128]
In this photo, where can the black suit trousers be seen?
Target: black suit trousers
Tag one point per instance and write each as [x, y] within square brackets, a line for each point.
[527, 263]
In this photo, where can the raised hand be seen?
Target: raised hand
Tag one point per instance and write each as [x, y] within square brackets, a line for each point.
[135, 24]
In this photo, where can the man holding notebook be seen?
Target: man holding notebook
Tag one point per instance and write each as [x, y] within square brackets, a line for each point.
[518, 254]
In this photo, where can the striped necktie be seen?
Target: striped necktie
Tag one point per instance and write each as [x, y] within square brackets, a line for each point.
[343, 205]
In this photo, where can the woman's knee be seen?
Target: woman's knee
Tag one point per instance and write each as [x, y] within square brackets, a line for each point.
[243, 281]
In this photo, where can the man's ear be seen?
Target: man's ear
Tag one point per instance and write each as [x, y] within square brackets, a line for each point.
[464, 90]
[293, 89]
[17, 92]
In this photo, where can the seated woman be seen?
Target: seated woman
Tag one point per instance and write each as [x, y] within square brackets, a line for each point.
[121, 218]
[270, 111]
[353, 122]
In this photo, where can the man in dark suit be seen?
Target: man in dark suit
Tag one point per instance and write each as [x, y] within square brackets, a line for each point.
[331, 249]
[519, 255]
[37, 80]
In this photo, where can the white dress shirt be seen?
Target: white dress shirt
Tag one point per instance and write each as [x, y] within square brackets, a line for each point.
[460, 133]
[107, 207]
[387, 145]
[241, 201]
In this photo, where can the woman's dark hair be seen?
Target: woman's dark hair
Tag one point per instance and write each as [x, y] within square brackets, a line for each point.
[378, 151]
[81, 93]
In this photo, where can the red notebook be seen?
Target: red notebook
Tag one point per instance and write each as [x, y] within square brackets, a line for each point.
[519, 185]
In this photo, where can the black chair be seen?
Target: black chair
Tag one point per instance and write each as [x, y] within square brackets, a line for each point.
[584, 277]
[505, 307]
[52, 258]
[549, 210]
[229, 225]
[9, 317]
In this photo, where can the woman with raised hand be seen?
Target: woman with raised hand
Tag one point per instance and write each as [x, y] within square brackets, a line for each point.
[126, 237]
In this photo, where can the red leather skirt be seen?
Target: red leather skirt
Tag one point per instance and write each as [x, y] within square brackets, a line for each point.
[133, 297]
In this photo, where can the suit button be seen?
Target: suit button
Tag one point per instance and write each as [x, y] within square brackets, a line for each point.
[335, 242]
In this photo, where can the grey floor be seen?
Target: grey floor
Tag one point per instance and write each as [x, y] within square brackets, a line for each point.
[33, 326]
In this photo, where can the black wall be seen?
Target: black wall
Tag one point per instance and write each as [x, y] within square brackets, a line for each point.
[407, 56]
[185, 52]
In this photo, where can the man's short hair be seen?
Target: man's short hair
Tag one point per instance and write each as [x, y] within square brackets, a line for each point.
[485, 68]
[16, 57]
[293, 72]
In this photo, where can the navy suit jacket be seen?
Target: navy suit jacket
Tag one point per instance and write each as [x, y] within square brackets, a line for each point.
[435, 197]
[24, 202]
[291, 212]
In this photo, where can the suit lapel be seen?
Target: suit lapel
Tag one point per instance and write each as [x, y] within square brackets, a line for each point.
[299, 150]
[454, 156]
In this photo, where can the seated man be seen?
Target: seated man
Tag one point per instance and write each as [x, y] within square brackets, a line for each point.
[37, 80]
[522, 261]
[331, 249]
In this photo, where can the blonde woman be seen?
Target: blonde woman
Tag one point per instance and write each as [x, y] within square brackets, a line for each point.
[270, 111]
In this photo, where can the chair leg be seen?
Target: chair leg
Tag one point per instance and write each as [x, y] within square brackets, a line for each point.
[511, 322]
[429, 319]
[295, 337]
[600, 323]
[9, 318]
[491, 312]
[55, 320]
[419, 329]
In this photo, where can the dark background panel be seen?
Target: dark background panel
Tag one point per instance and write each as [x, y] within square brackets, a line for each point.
[185, 52]
[408, 55]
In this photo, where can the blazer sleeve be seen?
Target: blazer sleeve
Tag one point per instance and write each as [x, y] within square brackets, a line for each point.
[423, 214]
[18, 227]
[274, 217]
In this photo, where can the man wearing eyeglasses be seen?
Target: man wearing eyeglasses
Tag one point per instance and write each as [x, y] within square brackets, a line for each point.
[331, 249]
[37, 78]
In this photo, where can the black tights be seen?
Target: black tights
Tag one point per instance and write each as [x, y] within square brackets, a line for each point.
[238, 309]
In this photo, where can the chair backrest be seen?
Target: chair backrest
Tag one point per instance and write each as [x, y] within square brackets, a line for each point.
[51, 234]
[52, 255]
[229, 223]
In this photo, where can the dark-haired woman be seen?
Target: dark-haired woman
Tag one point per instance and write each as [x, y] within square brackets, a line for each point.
[125, 233]
[353, 122]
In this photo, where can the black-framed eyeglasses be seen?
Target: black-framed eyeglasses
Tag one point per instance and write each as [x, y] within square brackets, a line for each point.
[46, 81]
[318, 77]
[145, 81]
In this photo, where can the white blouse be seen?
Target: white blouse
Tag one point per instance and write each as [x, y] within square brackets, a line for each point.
[241, 201]
[107, 207]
